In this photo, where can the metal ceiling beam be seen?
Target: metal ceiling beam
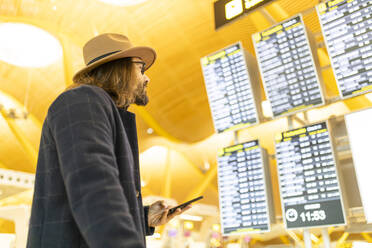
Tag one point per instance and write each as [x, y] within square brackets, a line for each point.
[284, 239]
[314, 238]
[151, 122]
[198, 190]
[168, 175]
[268, 16]
[3, 166]
[198, 170]
[277, 12]
[67, 65]
[342, 239]
[320, 239]
[357, 103]
[21, 105]
[165, 142]
[26, 145]
[323, 57]
[17, 132]
[367, 237]
[259, 20]
[294, 236]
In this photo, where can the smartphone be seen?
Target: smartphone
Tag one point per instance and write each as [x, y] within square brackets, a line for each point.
[183, 205]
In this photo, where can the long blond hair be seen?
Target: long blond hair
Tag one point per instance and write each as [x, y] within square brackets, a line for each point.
[114, 77]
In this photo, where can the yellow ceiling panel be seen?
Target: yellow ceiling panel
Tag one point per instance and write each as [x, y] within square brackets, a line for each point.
[12, 154]
[181, 32]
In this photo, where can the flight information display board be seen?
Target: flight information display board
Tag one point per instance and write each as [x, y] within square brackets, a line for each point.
[288, 67]
[347, 30]
[244, 189]
[231, 81]
[309, 185]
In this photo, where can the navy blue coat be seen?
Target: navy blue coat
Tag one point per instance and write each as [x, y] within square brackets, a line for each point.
[87, 186]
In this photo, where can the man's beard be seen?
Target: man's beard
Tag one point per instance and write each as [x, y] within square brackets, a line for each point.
[141, 97]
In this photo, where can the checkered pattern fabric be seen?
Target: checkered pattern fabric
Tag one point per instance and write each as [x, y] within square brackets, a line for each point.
[87, 187]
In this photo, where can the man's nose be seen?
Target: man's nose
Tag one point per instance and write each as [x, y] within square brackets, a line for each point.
[147, 79]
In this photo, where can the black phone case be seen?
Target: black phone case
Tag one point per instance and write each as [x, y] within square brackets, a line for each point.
[183, 205]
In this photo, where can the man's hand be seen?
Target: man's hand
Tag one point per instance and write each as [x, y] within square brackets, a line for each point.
[158, 213]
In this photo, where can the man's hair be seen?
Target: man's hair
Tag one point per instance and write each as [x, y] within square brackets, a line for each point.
[114, 77]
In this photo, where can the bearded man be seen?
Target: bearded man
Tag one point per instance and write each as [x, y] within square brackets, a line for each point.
[87, 185]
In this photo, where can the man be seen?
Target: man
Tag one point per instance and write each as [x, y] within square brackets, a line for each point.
[87, 186]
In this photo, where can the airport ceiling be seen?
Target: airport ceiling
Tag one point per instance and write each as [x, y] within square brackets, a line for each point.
[181, 31]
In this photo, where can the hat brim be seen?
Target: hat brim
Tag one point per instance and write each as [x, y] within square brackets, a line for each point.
[147, 54]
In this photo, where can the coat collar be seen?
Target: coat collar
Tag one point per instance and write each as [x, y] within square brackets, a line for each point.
[126, 114]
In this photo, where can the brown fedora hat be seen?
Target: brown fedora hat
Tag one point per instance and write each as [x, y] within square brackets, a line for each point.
[108, 47]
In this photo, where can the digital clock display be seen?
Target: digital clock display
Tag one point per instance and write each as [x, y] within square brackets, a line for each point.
[313, 215]
[308, 179]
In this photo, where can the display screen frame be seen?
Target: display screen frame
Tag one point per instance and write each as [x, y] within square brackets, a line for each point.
[315, 66]
[256, 108]
[267, 190]
[337, 170]
[361, 92]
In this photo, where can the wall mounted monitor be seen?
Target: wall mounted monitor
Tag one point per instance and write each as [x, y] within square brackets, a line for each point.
[360, 136]
[244, 189]
[347, 31]
[232, 85]
[309, 186]
[289, 67]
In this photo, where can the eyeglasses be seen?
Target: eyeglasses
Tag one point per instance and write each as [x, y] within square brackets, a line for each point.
[143, 66]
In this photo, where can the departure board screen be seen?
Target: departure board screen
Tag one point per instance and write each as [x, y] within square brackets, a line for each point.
[229, 89]
[347, 26]
[242, 189]
[308, 178]
[287, 67]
